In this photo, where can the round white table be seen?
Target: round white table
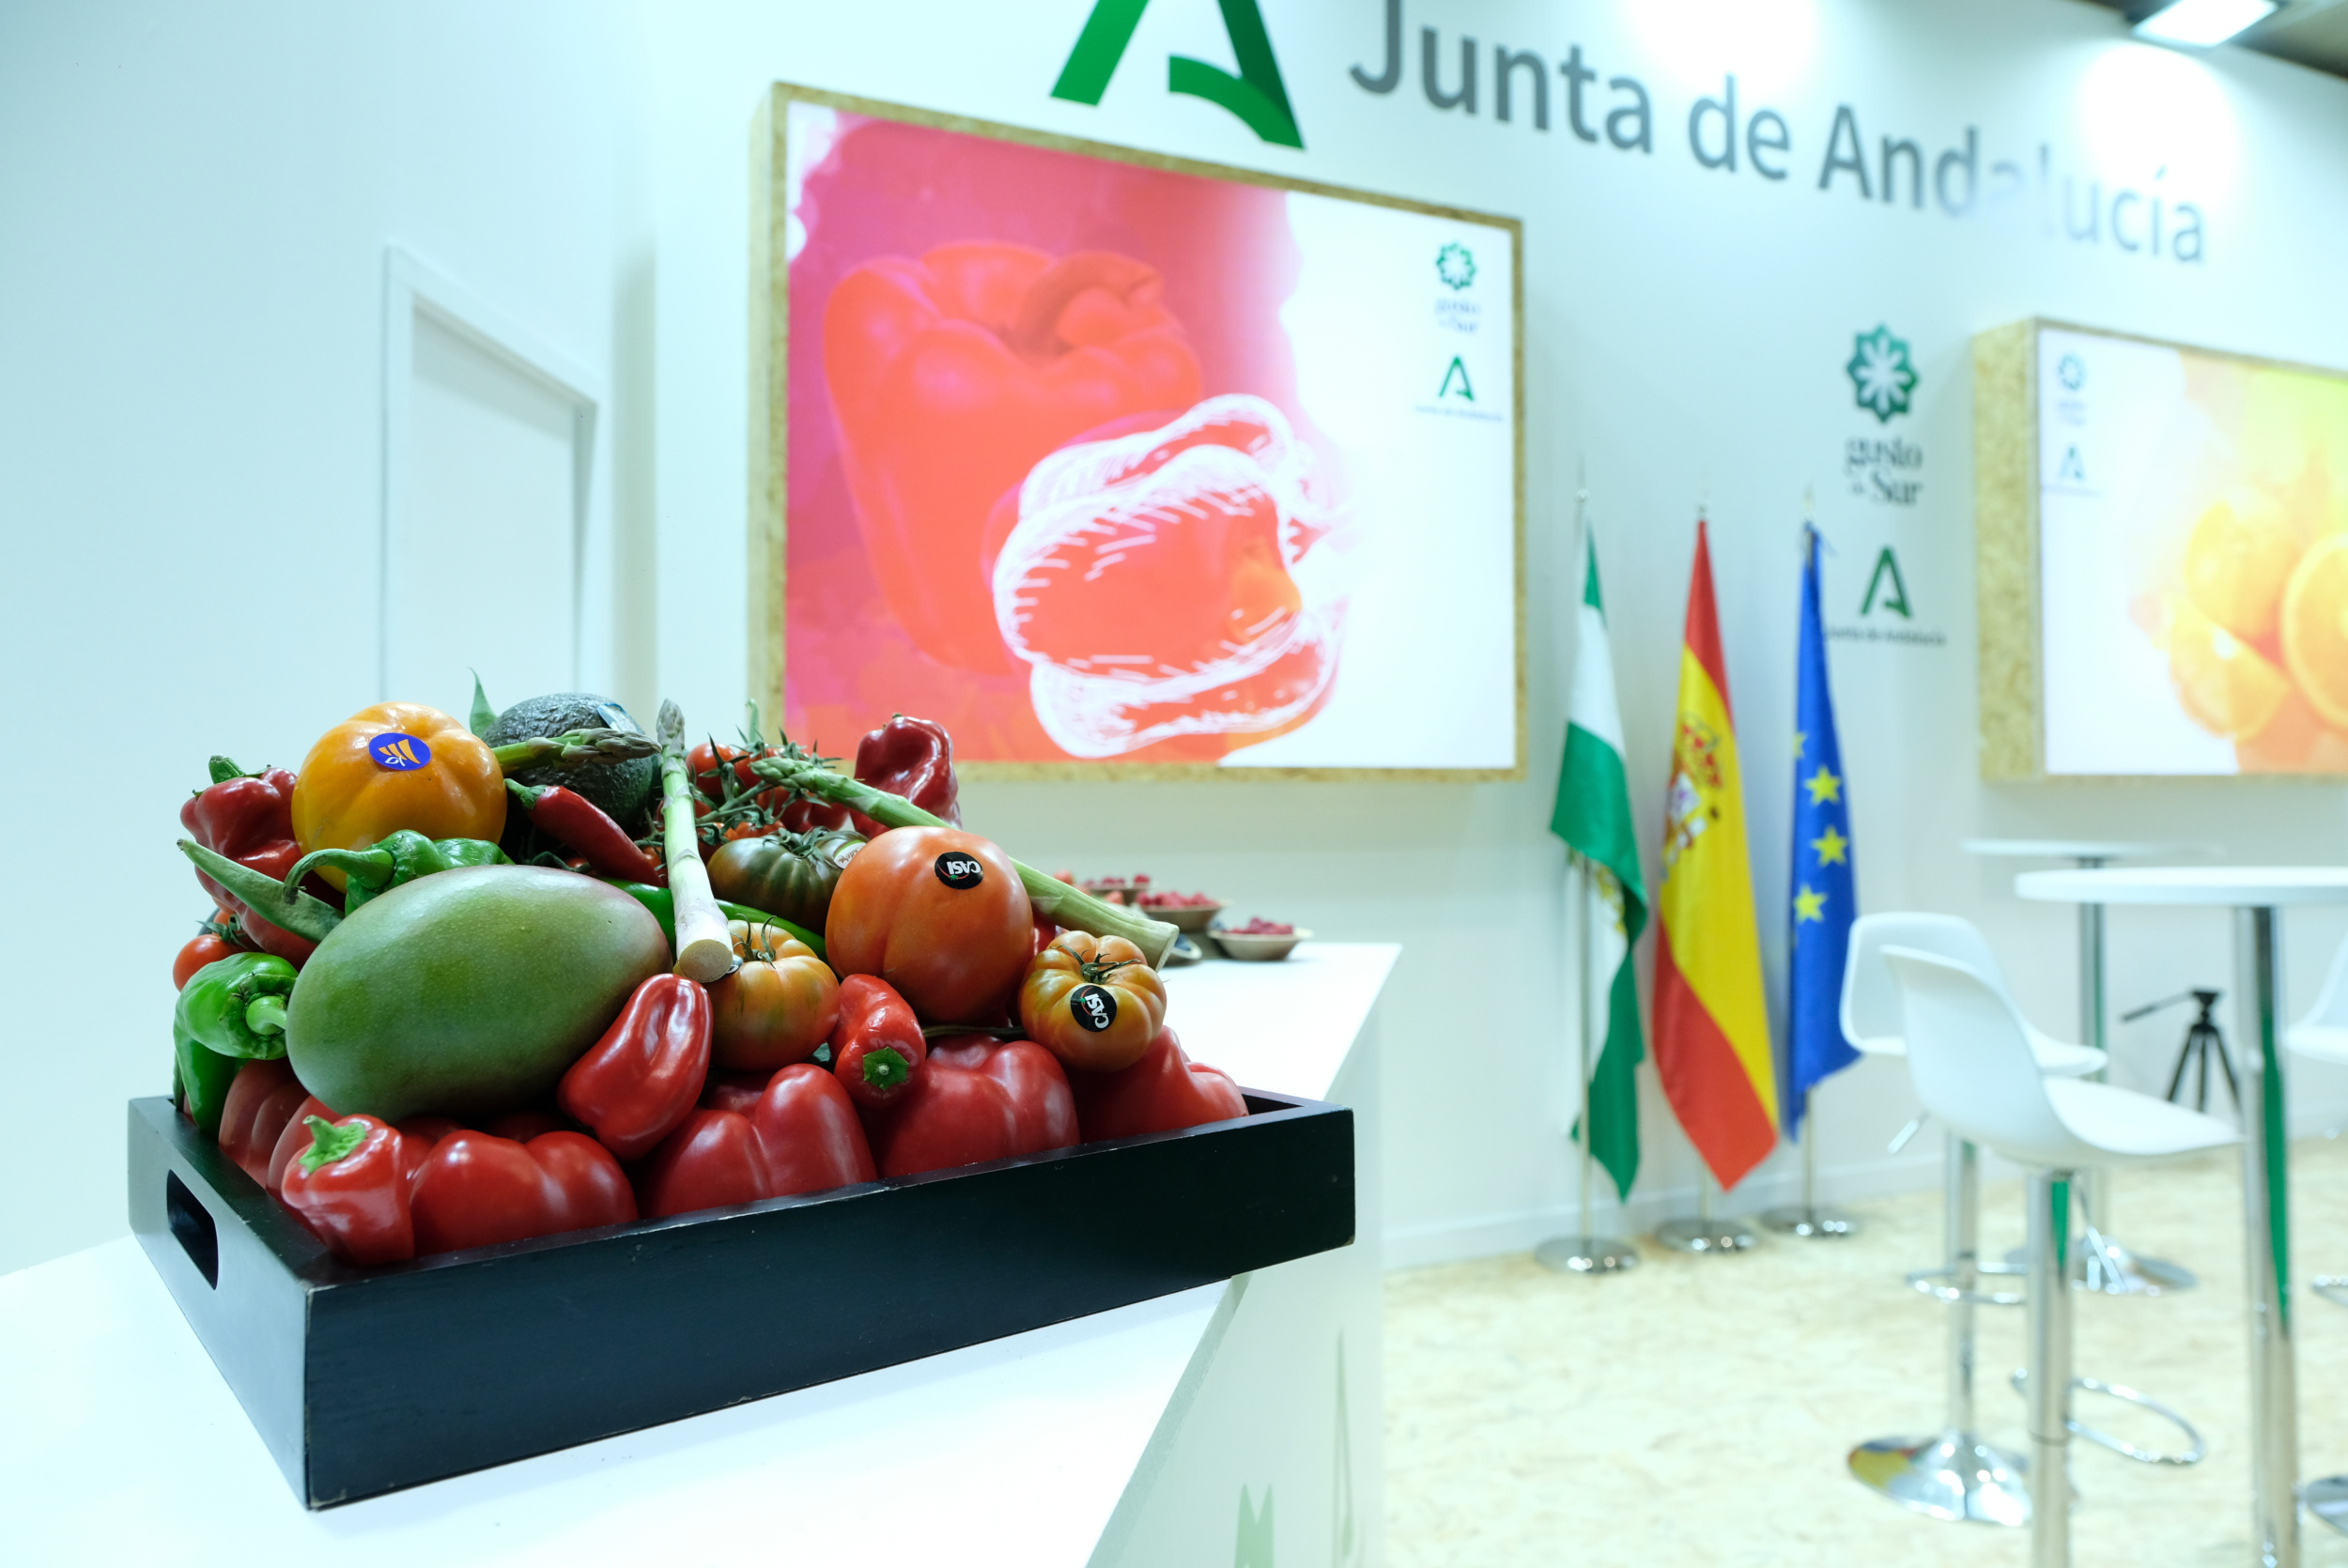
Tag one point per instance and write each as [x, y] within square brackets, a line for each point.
[2257, 894]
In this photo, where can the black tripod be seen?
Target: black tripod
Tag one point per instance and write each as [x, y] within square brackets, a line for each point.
[2201, 1038]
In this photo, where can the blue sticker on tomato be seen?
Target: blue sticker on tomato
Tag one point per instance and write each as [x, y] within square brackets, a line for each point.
[398, 753]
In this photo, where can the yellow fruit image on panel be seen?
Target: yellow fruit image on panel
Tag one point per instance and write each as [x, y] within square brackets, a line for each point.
[2315, 629]
[2236, 562]
[2226, 686]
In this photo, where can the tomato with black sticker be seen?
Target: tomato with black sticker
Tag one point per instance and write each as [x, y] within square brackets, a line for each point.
[1092, 1001]
[938, 913]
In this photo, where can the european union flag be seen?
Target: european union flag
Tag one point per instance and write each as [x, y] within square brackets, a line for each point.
[1825, 894]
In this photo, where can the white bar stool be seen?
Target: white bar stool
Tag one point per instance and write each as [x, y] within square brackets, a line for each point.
[1954, 1474]
[1968, 1055]
[2322, 1035]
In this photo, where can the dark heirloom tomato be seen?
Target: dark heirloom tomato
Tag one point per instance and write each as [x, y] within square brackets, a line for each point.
[1093, 1002]
[940, 914]
[786, 874]
[777, 1008]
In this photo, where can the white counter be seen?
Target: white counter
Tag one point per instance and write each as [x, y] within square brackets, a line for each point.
[1088, 1442]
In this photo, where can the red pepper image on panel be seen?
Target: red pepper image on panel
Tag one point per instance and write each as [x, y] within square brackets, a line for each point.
[951, 377]
[1164, 582]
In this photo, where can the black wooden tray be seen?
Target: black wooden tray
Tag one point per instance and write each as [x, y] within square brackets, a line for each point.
[365, 1381]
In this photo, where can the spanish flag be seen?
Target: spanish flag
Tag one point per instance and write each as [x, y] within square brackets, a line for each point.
[1711, 1021]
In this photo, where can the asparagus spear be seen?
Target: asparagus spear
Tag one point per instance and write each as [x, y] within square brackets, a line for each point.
[705, 948]
[1055, 899]
[580, 748]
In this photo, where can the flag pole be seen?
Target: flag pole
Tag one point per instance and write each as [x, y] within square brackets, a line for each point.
[1807, 1220]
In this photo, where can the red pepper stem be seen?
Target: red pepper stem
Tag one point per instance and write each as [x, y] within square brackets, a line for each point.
[887, 1067]
[1064, 905]
[371, 867]
[525, 794]
[330, 1142]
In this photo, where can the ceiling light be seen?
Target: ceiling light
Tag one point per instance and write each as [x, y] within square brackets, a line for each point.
[2200, 23]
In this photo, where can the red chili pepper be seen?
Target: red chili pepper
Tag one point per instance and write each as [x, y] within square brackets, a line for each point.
[1163, 1091]
[877, 1042]
[801, 1135]
[913, 757]
[638, 1081]
[583, 826]
[350, 1187]
[260, 1106]
[967, 1103]
[248, 818]
[474, 1190]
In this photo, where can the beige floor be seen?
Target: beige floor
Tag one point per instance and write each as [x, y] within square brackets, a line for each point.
[1697, 1410]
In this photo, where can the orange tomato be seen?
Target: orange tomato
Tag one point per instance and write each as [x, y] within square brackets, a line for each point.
[1093, 1002]
[395, 765]
[776, 1008]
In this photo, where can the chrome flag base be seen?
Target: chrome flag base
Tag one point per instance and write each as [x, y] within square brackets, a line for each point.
[1953, 1476]
[1818, 1224]
[1706, 1235]
[1586, 1254]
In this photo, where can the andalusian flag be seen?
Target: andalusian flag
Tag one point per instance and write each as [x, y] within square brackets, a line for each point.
[1711, 1021]
[1593, 816]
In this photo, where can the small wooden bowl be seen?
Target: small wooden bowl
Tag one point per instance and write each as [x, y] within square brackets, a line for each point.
[1258, 949]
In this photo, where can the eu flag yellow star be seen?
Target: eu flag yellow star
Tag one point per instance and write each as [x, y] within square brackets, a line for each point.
[1823, 787]
[1809, 906]
[1801, 739]
[1831, 846]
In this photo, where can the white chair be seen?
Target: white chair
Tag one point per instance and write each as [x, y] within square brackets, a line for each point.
[1968, 1053]
[2322, 1035]
[1953, 1474]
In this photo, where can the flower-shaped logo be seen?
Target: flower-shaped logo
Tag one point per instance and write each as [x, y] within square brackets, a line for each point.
[1456, 265]
[2072, 372]
[1880, 373]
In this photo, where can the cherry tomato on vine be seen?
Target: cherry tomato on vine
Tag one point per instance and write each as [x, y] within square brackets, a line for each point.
[208, 946]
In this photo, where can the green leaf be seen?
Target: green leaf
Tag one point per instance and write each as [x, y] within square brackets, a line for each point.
[483, 715]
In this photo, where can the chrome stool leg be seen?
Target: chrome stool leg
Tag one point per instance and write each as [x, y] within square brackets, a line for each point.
[2051, 1367]
[1954, 1474]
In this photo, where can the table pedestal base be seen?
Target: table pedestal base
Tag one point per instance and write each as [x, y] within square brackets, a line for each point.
[1953, 1476]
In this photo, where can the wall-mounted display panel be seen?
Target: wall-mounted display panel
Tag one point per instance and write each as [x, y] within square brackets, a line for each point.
[1109, 461]
[2163, 538]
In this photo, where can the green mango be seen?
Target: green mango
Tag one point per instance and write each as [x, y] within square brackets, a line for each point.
[469, 993]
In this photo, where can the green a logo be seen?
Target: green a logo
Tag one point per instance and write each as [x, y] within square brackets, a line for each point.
[1256, 95]
[1458, 372]
[1255, 1532]
[1887, 565]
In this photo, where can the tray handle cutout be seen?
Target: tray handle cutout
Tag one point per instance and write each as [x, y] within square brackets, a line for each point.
[191, 1226]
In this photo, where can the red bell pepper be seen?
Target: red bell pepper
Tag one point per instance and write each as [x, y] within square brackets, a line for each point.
[637, 1082]
[913, 757]
[248, 817]
[877, 1042]
[1161, 1092]
[291, 1142]
[260, 1106]
[975, 1101]
[351, 1188]
[474, 1190]
[800, 1135]
[952, 375]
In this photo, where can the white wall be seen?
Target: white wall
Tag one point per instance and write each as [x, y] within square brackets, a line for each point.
[1686, 338]
[196, 211]
[197, 203]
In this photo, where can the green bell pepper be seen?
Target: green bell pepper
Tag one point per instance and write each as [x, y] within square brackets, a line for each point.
[237, 1007]
[200, 1078]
